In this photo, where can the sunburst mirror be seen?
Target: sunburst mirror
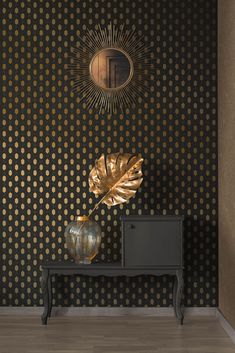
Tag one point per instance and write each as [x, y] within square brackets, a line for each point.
[109, 68]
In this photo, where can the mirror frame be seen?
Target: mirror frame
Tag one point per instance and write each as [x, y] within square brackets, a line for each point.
[131, 73]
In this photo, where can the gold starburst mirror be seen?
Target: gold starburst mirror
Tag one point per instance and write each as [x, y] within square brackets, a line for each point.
[108, 68]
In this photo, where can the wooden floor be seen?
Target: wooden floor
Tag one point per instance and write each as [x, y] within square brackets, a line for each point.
[113, 335]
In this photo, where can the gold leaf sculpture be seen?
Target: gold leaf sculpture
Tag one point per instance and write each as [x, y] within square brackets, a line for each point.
[116, 176]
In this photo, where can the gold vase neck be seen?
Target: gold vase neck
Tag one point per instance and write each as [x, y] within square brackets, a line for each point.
[82, 218]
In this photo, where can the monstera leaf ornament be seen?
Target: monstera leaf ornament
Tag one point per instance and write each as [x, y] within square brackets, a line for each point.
[117, 177]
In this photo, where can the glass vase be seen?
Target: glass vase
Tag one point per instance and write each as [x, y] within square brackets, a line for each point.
[83, 238]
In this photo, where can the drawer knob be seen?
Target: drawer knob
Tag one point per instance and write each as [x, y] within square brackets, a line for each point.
[131, 226]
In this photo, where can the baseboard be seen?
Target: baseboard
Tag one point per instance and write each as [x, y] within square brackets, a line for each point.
[107, 311]
[20, 310]
[226, 325]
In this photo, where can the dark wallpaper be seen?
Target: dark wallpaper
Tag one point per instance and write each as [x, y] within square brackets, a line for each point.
[50, 140]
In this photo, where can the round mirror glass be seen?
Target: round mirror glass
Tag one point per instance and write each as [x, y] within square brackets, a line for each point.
[111, 68]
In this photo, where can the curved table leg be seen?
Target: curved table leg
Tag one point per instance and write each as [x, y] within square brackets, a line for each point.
[177, 296]
[45, 293]
[175, 285]
[49, 295]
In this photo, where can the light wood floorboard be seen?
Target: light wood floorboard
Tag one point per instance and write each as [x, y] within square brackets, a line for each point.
[113, 335]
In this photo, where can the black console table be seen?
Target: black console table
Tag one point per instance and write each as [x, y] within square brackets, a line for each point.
[110, 270]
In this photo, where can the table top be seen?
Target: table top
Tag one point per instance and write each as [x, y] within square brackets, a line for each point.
[71, 265]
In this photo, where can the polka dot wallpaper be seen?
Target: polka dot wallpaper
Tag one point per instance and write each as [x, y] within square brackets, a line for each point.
[50, 140]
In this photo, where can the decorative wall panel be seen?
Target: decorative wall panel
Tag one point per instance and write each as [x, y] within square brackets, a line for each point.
[49, 141]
